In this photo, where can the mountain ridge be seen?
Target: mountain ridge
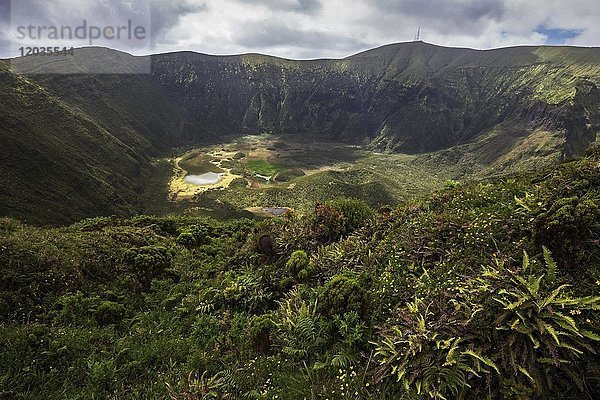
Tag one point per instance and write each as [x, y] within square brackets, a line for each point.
[377, 48]
[410, 98]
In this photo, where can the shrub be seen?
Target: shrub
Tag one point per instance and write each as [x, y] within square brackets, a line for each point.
[451, 184]
[427, 365]
[9, 225]
[336, 219]
[299, 266]
[566, 226]
[593, 152]
[288, 174]
[194, 235]
[343, 293]
[95, 224]
[74, 308]
[109, 313]
[259, 332]
[238, 183]
[148, 262]
[541, 329]
[158, 224]
[199, 387]
[300, 331]
[186, 239]
[540, 334]
[246, 292]
[352, 336]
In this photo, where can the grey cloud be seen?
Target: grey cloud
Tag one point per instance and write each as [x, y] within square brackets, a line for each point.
[315, 28]
[166, 13]
[276, 34]
[100, 13]
[4, 15]
[444, 16]
[300, 6]
[4, 28]
[442, 9]
[157, 16]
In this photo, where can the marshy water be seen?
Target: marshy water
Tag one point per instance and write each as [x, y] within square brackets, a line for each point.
[209, 178]
[277, 211]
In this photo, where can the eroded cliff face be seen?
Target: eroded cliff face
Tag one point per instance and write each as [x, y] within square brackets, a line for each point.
[577, 119]
[407, 98]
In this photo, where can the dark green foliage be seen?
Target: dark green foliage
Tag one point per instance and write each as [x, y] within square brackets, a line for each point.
[194, 235]
[301, 331]
[109, 313]
[538, 335]
[258, 333]
[566, 225]
[148, 262]
[288, 174]
[427, 362]
[338, 218]
[166, 226]
[453, 296]
[238, 182]
[344, 293]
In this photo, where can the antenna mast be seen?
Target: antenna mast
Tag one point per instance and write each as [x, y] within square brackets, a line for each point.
[418, 35]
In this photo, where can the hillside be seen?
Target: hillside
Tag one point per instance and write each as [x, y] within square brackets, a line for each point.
[411, 97]
[482, 290]
[505, 109]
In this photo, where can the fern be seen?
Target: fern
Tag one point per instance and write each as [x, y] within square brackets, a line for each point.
[540, 334]
[424, 361]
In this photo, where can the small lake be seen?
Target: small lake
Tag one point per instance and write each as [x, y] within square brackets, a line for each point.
[209, 178]
[277, 211]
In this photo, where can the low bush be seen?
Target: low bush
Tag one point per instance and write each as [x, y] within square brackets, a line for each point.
[338, 218]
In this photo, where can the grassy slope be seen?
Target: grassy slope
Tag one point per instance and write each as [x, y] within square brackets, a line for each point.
[83, 313]
[80, 145]
[58, 163]
[379, 180]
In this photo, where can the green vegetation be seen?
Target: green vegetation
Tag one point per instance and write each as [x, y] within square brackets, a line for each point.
[86, 145]
[377, 179]
[263, 167]
[196, 163]
[485, 289]
[288, 175]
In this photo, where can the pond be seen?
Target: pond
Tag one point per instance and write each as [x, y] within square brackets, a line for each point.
[277, 211]
[209, 178]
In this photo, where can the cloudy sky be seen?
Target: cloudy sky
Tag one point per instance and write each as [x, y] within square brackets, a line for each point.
[309, 28]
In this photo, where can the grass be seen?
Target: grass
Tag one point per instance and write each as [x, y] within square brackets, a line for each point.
[263, 167]
[197, 163]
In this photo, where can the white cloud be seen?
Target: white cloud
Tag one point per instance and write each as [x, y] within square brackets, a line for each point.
[337, 28]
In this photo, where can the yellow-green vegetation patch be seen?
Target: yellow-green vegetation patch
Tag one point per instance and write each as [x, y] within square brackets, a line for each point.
[570, 66]
[533, 150]
[196, 163]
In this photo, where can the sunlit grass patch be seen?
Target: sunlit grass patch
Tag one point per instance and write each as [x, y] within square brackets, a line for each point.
[263, 167]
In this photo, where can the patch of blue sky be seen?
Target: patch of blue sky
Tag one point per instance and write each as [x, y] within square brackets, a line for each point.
[558, 36]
